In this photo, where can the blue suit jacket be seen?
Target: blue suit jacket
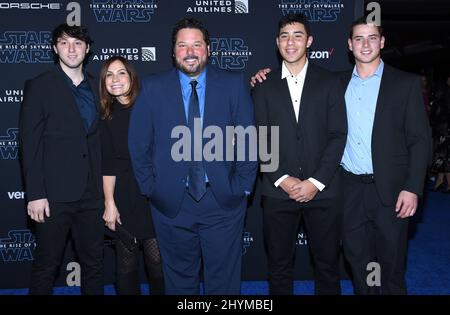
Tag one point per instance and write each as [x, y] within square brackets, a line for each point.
[158, 109]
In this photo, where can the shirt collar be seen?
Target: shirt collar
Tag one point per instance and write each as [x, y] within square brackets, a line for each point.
[185, 79]
[285, 71]
[69, 80]
[378, 72]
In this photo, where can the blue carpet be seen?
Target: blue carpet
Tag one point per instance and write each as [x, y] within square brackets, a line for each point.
[428, 270]
[429, 248]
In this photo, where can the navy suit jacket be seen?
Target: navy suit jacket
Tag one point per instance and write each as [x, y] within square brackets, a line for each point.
[57, 153]
[401, 136]
[159, 109]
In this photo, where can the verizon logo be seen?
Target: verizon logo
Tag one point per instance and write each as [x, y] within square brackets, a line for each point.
[321, 54]
[16, 195]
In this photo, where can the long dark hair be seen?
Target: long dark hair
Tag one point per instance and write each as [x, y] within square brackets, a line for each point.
[106, 99]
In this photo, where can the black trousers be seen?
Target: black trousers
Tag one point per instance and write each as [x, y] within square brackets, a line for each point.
[373, 233]
[84, 219]
[281, 220]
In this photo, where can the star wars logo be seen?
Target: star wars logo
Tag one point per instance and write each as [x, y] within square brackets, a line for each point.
[25, 47]
[315, 10]
[247, 240]
[9, 144]
[120, 11]
[18, 246]
[229, 53]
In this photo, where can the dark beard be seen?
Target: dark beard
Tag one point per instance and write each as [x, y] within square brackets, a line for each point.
[191, 71]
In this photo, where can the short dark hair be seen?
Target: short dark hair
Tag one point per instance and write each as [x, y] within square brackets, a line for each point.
[79, 32]
[363, 21]
[106, 99]
[189, 23]
[294, 18]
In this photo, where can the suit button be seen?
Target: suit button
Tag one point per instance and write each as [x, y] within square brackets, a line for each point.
[84, 156]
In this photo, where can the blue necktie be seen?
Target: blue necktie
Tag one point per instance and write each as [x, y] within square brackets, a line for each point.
[197, 185]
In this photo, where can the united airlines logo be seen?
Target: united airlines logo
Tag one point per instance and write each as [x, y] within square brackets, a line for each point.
[229, 53]
[301, 239]
[315, 10]
[218, 6]
[11, 96]
[25, 47]
[9, 144]
[241, 6]
[130, 53]
[148, 54]
[247, 240]
[18, 246]
[123, 11]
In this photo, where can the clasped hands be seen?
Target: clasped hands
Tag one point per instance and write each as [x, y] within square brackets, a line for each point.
[299, 190]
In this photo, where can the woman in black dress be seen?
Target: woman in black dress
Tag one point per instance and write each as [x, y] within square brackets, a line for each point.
[124, 203]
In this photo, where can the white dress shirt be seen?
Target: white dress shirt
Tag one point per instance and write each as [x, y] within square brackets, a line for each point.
[295, 85]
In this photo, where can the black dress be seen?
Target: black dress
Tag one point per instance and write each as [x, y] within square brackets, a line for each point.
[133, 207]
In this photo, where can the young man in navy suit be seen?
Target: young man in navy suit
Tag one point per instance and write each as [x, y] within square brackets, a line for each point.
[61, 158]
[306, 103]
[384, 163]
[198, 204]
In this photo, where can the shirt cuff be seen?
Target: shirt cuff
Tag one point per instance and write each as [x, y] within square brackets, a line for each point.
[247, 192]
[316, 183]
[282, 178]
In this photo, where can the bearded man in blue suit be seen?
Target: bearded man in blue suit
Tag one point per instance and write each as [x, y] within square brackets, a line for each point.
[198, 205]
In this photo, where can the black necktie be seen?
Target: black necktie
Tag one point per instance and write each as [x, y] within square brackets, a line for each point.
[197, 185]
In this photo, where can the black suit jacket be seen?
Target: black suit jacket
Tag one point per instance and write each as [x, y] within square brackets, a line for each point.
[57, 152]
[401, 136]
[313, 147]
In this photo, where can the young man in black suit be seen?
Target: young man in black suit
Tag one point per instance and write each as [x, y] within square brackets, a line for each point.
[306, 103]
[385, 162]
[61, 159]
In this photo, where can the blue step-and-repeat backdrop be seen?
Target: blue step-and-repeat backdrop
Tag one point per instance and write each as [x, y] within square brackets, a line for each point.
[242, 39]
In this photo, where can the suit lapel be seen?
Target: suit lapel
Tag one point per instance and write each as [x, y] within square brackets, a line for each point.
[94, 88]
[307, 92]
[345, 78]
[66, 94]
[212, 89]
[386, 86]
[281, 88]
[174, 97]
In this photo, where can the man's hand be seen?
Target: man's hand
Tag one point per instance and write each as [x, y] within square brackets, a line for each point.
[111, 215]
[260, 76]
[288, 183]
[406, 204]
[303, 191]
[37, 208]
